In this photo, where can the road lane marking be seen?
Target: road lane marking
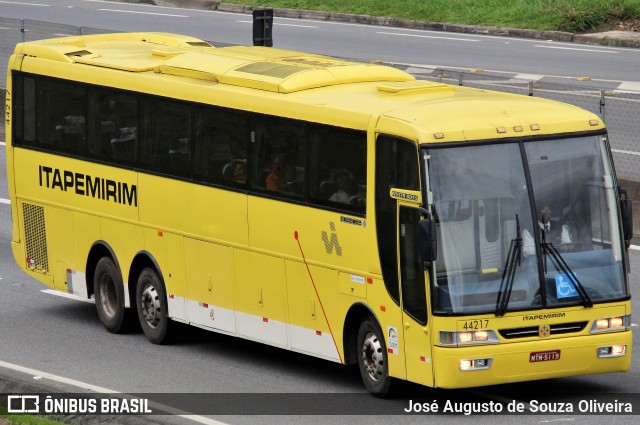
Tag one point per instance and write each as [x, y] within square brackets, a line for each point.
[67, 295]
[3, 144]
[635, 247]
[629, 85]
[574, 48]
[280, 24]
[25, 4]
[38, 375]
[5, 201]
[61, 379]
[625, 152]
[425, 36]
[143, 13]
[530, 77]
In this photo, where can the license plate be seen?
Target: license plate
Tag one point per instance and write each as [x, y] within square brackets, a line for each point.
[544, 356]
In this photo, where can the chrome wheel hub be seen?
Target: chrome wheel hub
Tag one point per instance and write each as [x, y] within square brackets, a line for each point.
[151, 306]
[373, 357]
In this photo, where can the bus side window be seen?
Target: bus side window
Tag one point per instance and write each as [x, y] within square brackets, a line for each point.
[165, 140]
[338, 171]
[65, 129]
[24, 110]
[220, 146]
[116, 130]
[280, 157]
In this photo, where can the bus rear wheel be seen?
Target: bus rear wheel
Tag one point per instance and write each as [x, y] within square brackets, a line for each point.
[108, 292]
[153, 313]
[372, 358]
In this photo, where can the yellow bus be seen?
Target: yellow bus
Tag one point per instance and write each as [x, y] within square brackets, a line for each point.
[342, 210]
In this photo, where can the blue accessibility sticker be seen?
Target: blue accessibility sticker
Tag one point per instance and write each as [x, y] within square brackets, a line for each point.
[565, 287]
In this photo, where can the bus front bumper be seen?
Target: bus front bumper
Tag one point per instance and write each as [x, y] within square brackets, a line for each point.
[461, 367]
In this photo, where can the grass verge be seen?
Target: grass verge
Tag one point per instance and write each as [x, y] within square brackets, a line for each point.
[7, 419]
[560, 15]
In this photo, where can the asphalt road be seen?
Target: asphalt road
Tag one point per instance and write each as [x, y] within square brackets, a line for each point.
[361, 42]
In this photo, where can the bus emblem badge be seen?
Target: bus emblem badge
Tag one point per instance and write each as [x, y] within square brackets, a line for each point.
[544, 331]
[331, 243]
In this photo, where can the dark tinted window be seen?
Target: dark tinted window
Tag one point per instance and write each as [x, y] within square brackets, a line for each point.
[338, 171]
[116, 125]
[396, 167]
[165, 139]
[220, 147]
[414, 297]
[279, 152]
[55, 115]
[202, 143]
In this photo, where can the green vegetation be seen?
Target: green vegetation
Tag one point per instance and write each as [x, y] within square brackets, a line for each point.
[7, 419]
[560, 15]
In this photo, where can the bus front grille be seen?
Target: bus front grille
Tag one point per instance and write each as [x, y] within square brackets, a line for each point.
[532, 331]
[35, 237]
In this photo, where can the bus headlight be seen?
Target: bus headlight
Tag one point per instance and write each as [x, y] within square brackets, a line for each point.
[475, 364]
[468, 337]
[617, 323]
[612, 351]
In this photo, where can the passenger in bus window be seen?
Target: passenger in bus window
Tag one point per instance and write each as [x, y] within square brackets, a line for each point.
[277, 179]
[347, 190]
[239, 172]
[345, 187]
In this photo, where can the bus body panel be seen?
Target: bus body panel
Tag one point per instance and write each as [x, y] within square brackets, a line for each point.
[211, 277]
[60, 243]
[309, 330]
[192, 209]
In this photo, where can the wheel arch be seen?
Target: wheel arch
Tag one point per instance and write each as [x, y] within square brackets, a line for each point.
[356, 314]
[98, 250]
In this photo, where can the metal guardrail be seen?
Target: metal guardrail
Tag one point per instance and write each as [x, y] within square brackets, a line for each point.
[619, 109]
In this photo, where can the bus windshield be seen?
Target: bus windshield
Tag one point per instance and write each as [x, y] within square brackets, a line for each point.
[525, 225]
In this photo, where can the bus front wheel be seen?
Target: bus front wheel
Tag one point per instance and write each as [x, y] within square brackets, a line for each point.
[372, 358]
[151, 301]
[108, 293]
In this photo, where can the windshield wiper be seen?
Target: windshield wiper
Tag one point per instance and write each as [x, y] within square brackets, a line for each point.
[561, 265]
[514, 257]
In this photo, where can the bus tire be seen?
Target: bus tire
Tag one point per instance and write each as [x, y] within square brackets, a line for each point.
[372, 358]
[153, 312]
[108, 291]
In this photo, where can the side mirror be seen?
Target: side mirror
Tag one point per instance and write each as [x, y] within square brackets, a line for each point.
[427, 240]
[626, 212]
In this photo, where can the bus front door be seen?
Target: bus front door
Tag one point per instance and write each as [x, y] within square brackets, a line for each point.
[417, 341]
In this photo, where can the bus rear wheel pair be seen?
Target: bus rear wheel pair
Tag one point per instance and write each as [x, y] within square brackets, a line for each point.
[150, 299]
